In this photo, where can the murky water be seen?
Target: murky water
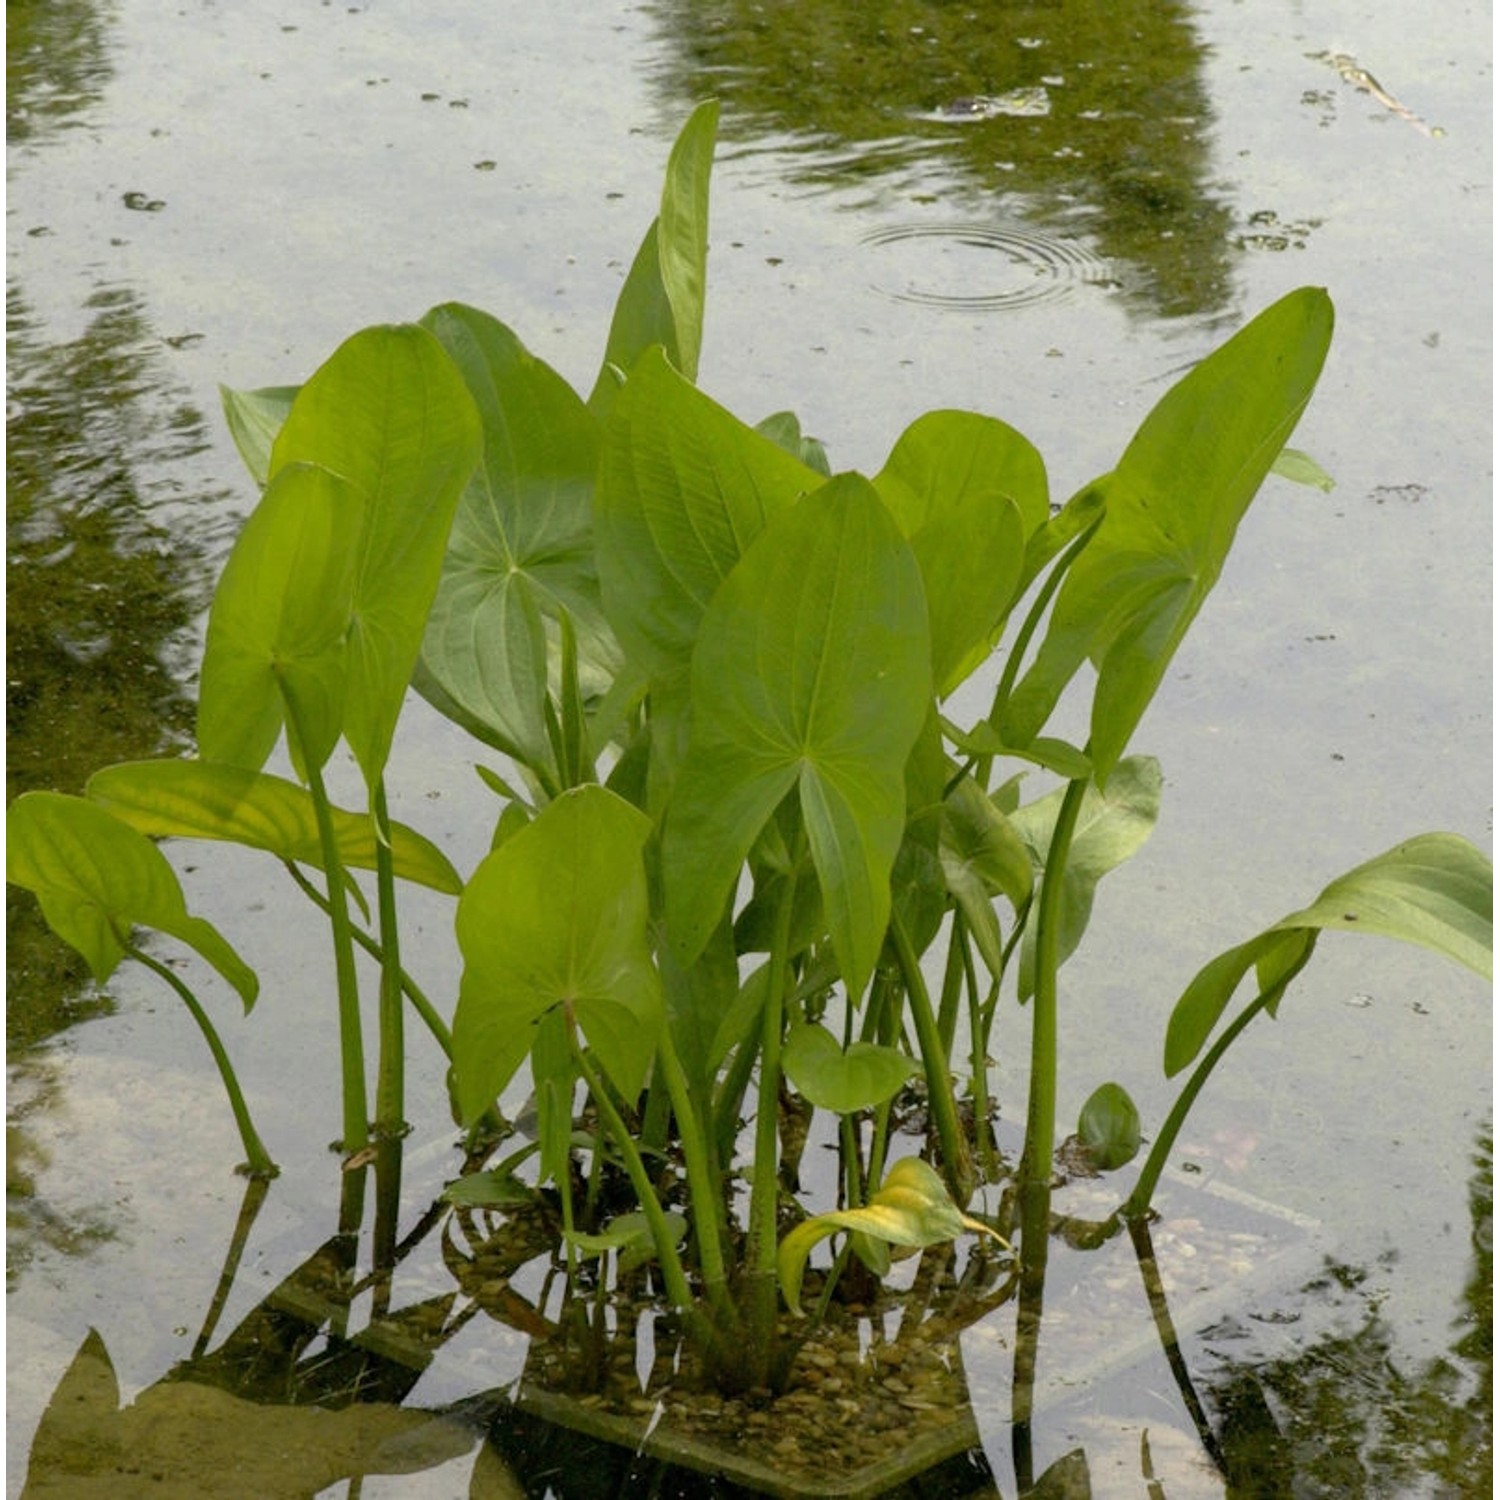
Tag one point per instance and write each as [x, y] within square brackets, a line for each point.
[216, 193]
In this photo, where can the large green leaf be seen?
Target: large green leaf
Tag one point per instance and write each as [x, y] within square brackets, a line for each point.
[812, 670]
[966, 491]
[557, 917]
[1435, 890]
[521, 549]
[389, 412]
[684, 488]
[200, 800]
[1172, 507]
[1112, 825]
[278, 625]
[912, 1208]
[96, 879]
[662, 299]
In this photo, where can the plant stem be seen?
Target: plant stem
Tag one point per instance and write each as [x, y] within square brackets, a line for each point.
[390, 1084]
[425, 1009]
[1041, 1105]
[958, 1167]
[1138, 1204]
[258, 1163]
[765, 1184]
[705, 1192]
[673, 1274]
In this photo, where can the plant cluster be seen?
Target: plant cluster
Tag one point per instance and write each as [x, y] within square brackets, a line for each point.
[735, 829]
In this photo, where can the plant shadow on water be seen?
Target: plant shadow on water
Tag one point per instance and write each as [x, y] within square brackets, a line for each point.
[298, 1396]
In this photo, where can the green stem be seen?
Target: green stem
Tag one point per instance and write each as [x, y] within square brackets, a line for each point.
[425, 1009]
[390, 1083]
[764, 1182]
[258, 1163]
[1138, 1204]
[704, 1189]
[952, 981]
[356, 1132]
[958, 1166]
[1041, 1106]
[673, 1275]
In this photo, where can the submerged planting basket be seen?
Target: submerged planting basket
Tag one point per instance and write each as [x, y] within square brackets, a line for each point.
[873, 1412]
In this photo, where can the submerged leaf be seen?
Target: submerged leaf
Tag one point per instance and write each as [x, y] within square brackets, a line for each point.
[1109, 1125]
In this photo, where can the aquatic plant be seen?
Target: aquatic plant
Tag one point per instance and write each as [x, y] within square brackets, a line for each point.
[733, 817]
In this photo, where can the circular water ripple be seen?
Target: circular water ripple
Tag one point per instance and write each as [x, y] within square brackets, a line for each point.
[973, 268]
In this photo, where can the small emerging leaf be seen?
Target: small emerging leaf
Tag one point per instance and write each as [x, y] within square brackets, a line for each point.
[911, 1208]
[1109, 1125]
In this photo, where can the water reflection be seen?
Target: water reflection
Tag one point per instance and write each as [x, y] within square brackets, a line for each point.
[104, 582]
[1088, 121]
[56, 64]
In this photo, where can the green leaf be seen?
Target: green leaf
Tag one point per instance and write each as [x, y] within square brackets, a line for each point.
[199, 800]
[1302, 468]
[557, 917]
[911, 1208]
[662, 299]
[844, 1081]
[684, 488]
[783, 428]
[254, 418]
[489, 1190]
[1109, 1125]
[1112, 825]
[96, 879]
[628, 1234]
[811, 671]
[1435, 891]
[982, 857]
[1172, 507]
[521, 550]
[388, 412]
[279, 622]
[966, 491]
[1056, 755]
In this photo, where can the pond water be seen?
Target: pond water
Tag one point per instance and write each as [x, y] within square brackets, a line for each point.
[1040, 211]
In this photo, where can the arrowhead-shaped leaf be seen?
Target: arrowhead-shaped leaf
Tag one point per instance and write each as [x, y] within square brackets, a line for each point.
[812, 670]
[831, 1077]
[966, 491]
[558, 916]
[1172, 507]
[1435, 890]
[521, 550]
[196, 799]
[662, 299]
[96, 879]
[279, 622]
[684, 488]
[389, 413]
